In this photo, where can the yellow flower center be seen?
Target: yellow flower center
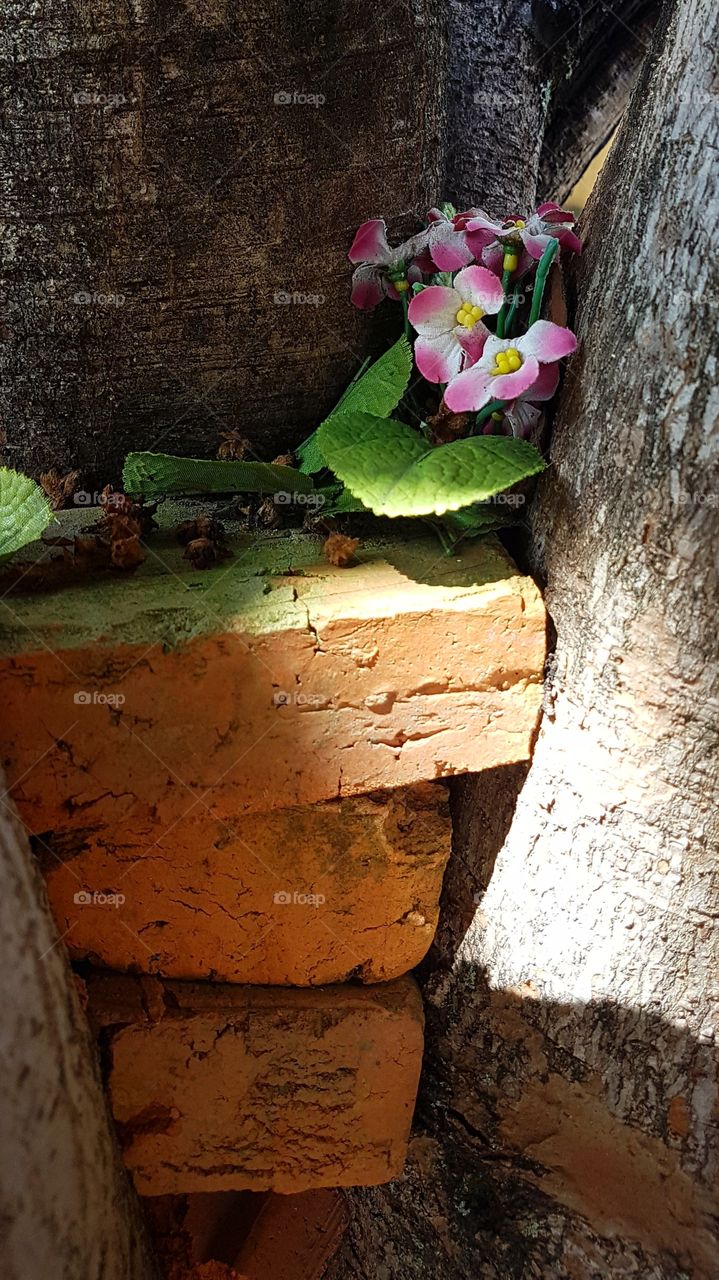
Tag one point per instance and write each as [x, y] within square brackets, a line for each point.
[401, 285]
[468, 315]
[507, 361]
[520, 223]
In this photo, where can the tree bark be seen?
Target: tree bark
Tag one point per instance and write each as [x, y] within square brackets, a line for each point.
[493, 61]
[180, 187]
[567, 1119]
[66, 1206]
[594, 62]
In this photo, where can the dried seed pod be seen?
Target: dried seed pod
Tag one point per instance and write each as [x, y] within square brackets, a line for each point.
[59, 489]
[446, 426]
[233, 447]
[126, 553]
[203, 553]
[340, 550]
[268, 515]
[201, 527]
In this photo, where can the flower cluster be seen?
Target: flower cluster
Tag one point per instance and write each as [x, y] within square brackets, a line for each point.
[471, 289]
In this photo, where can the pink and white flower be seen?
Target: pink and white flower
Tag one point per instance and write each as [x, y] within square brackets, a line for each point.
[448, 319]
[447, 249]
[548, 222]
[383, 271]
[512, 367]
[521, 416]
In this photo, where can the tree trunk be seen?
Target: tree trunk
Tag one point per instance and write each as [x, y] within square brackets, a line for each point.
[567, 1120]
[66, 1207]
[181, 184]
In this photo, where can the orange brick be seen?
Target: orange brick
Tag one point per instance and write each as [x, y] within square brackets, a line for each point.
[293, 1237]
[263, 1235]
[273, 680]
[219, 1088]
[313, 895]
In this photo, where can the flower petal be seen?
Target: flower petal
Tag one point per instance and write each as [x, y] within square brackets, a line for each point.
[547, 341]
[523, 418]
[367, 288]
[370, 243]
[439, 359]
[434, 310]
[535, 245]
[449, 248]
[480, 288]
[410, 248]
[469, 390]
[554, 212]
[546, 384]
[569, 241]
[508, 386]
[473, 341]
[483, 223]
[493, 257]
[479, 240]
[424, 263]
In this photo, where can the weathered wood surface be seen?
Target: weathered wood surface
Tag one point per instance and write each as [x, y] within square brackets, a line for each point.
[180, 186]
[66, 1205]
[567, 1122]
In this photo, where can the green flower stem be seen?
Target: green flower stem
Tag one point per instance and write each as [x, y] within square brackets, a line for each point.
[502, 316]
[511, 314]
[405, 310]
[447, 543]
[545, 263]
[493, 407]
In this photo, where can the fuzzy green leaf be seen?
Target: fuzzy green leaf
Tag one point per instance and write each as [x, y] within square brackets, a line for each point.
[473, 522]
[396, 473]
[378, 391]
[338, 501]
[153, 475]
[308, 456]
[381, 388]
[24, 511]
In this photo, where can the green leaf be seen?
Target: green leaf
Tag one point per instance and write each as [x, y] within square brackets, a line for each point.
[24, 511]
[155, 474]
[378, 391]
[396, 473]
[339, 502]
[381, 388]
[309, 457]
[472, 522]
